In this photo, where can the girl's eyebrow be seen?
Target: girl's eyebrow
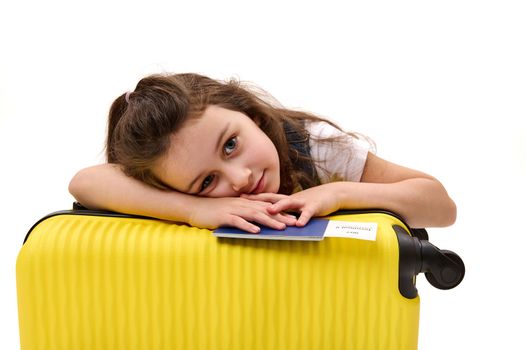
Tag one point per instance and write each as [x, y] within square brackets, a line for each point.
[218, 144]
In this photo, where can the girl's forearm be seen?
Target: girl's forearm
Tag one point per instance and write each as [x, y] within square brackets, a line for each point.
[422, 202]
[106, 187]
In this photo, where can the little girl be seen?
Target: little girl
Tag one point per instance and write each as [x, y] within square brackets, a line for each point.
[191, 149]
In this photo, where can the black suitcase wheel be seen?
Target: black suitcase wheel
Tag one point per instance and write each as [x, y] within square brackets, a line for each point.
[449, 273]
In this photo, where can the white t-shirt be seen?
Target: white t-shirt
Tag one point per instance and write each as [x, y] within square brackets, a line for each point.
[343, 159]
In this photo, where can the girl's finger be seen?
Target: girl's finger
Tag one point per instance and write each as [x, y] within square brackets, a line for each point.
[304, 218]
[263, 218]
[269, 222]
[284, 204]
[265, 197]
[243, 224]
[289, 220]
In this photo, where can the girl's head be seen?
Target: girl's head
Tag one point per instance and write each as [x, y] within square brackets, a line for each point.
[223, 153]
[162, 132]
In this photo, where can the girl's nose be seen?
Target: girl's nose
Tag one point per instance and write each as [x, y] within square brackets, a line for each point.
[240, 179]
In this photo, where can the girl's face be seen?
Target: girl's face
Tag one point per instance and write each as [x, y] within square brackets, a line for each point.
[223, 153]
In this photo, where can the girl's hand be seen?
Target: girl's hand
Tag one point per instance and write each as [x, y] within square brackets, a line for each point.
[237, 212]
[315, 201]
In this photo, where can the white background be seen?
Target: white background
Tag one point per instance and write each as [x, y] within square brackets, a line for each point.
[439, 86]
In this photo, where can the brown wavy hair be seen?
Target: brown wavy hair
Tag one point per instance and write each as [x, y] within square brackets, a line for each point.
[140, 123]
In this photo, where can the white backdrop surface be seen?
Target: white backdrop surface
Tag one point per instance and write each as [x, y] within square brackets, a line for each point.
[439, 86]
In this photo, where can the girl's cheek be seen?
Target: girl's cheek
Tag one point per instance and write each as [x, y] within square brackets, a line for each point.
[221, 190]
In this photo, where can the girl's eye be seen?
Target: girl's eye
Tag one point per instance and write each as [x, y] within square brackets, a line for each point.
[206, 182]
[230, 145]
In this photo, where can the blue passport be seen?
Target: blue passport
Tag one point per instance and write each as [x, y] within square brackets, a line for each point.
[313, 231]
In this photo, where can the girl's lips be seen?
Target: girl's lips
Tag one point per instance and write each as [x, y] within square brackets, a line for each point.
[260, 185]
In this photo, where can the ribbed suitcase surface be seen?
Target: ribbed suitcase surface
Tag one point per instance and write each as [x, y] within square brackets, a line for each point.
[98, 282]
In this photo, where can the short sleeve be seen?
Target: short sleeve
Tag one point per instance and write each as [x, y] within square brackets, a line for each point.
[343, 159]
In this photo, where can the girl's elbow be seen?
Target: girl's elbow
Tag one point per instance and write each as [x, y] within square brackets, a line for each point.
[78, 186]
[447, 206]
[450, 213]
[74, 185]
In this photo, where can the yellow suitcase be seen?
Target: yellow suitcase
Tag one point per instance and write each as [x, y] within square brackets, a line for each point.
[95, 280]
